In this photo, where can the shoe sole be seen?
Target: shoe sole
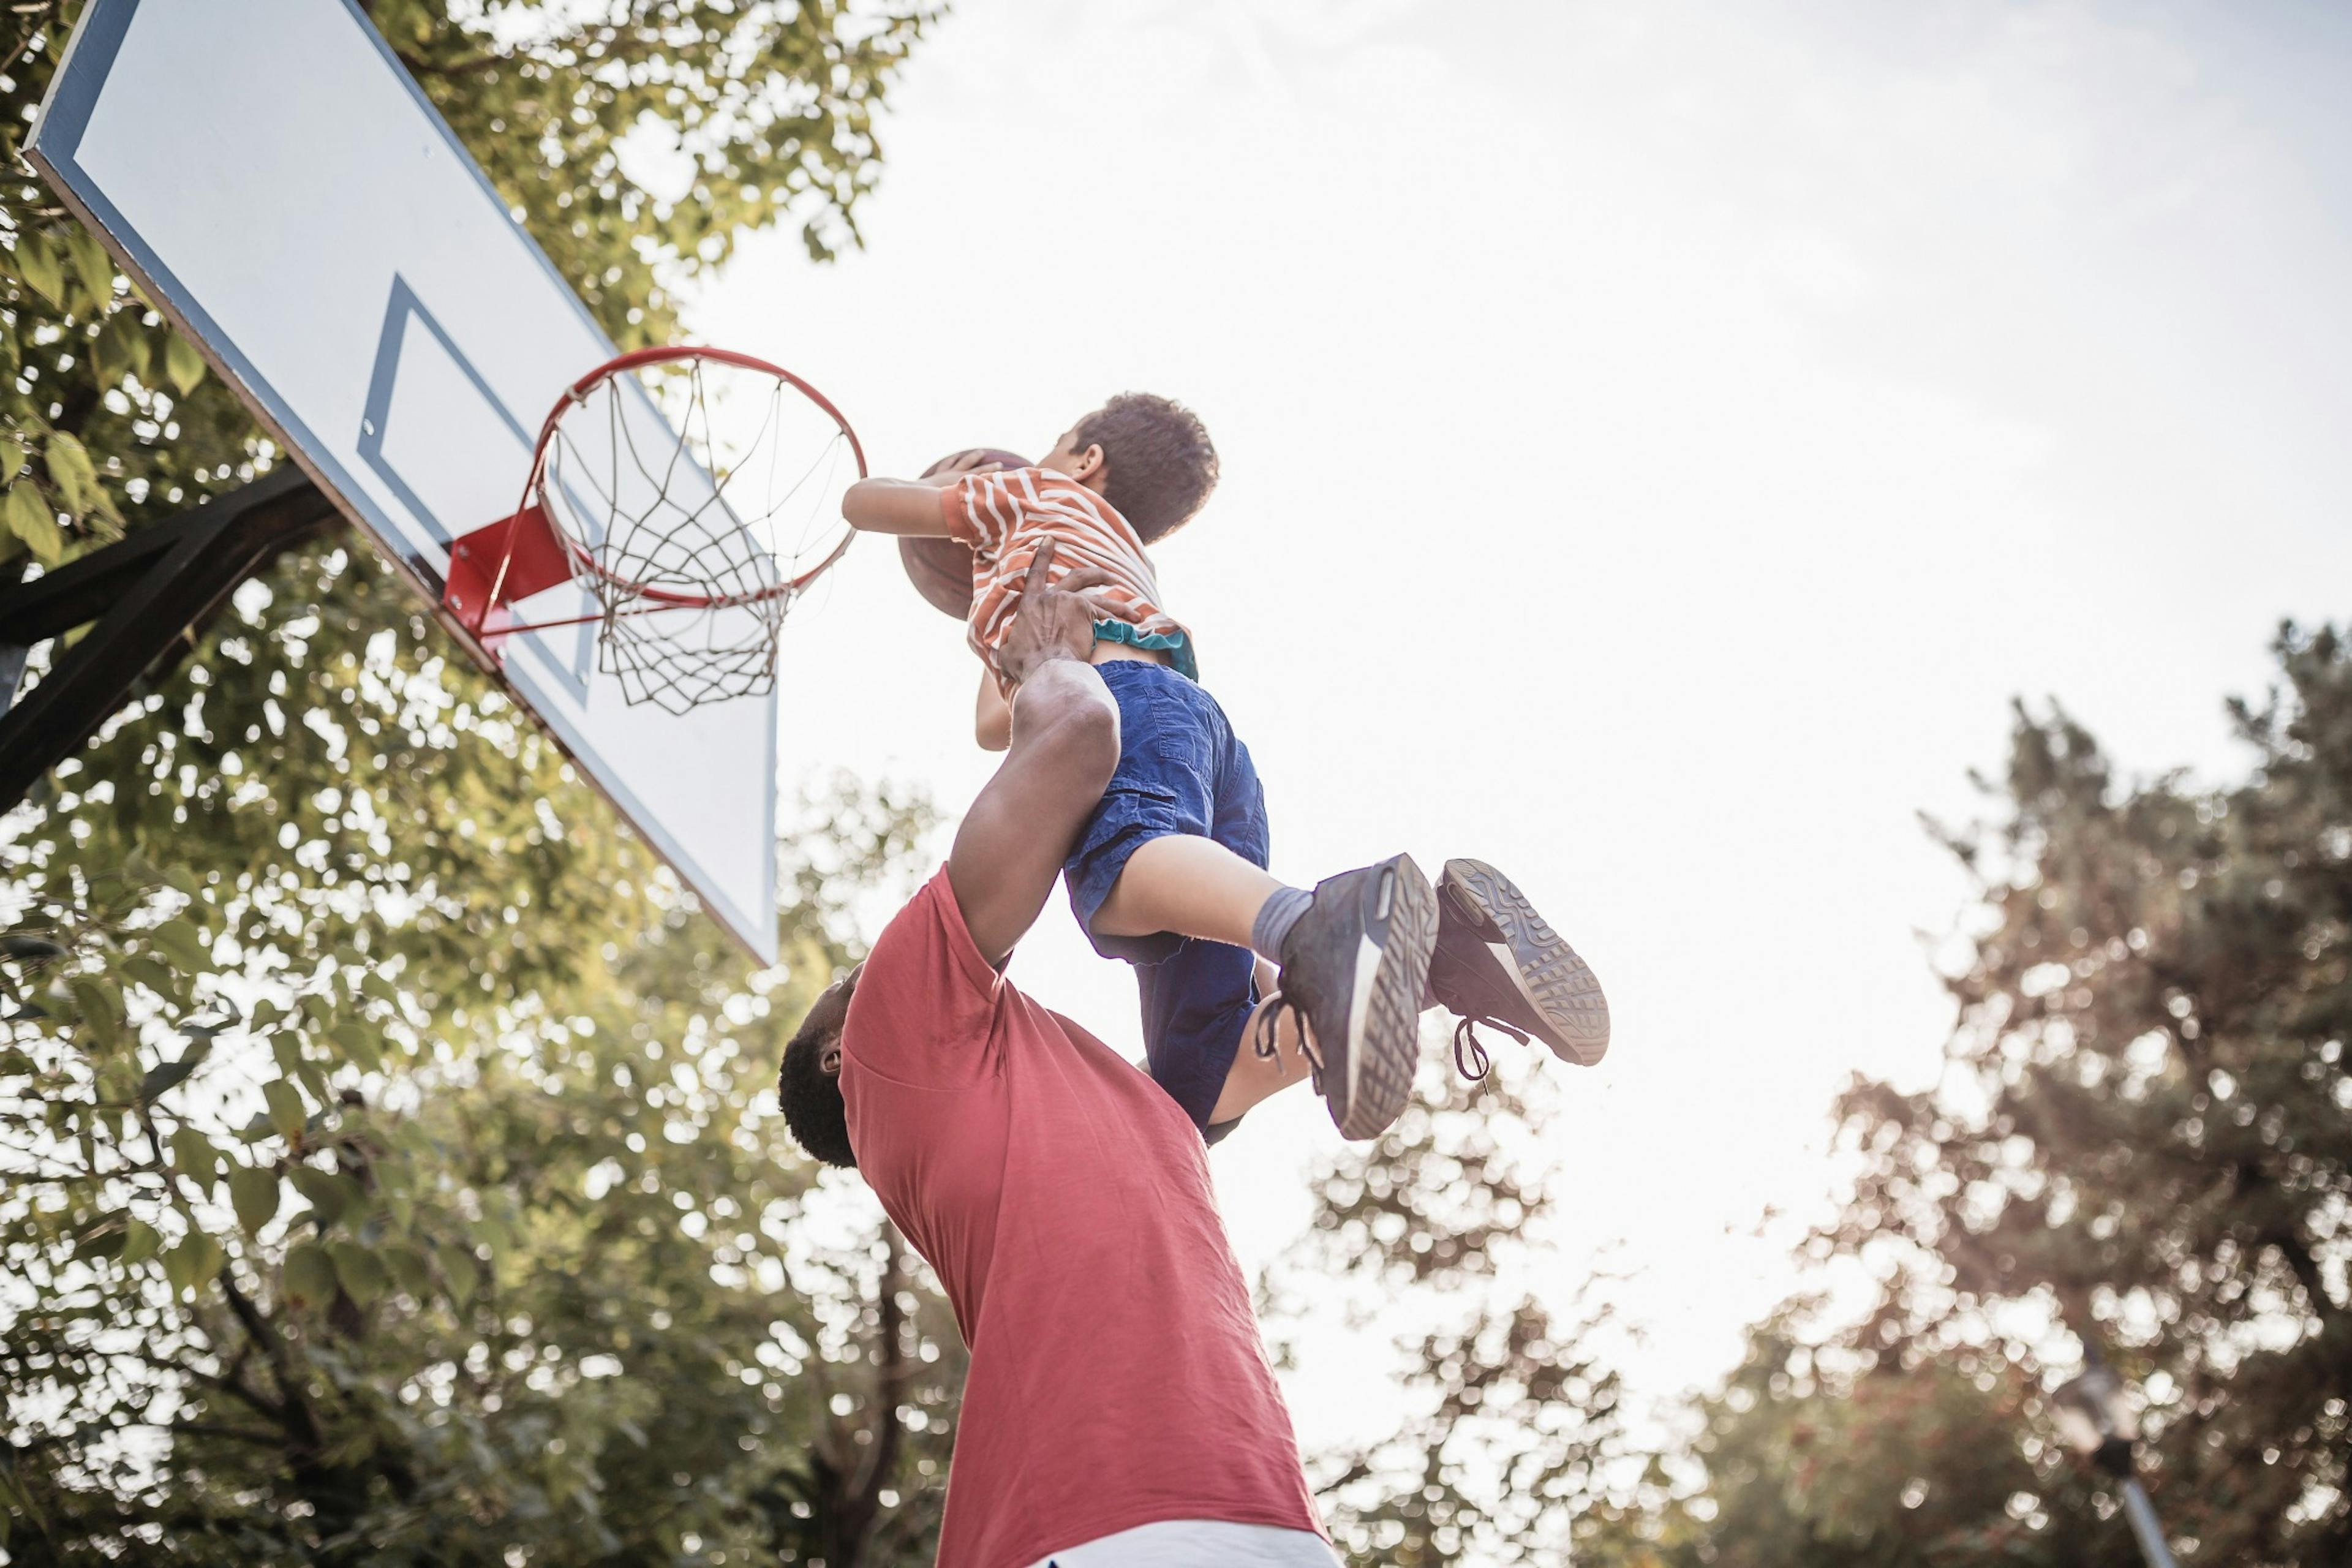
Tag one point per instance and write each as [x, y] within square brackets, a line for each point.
[1560, 988]
[1384, 1016]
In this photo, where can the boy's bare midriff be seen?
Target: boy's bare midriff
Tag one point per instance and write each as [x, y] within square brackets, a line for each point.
[1105, 651]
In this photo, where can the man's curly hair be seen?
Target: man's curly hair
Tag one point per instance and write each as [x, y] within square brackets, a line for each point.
[809, 1095]
[1161, 465]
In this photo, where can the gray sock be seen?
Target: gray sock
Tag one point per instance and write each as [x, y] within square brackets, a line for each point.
[1275, 918]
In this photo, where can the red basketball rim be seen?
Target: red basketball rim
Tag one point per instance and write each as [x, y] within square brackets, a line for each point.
[583, 558]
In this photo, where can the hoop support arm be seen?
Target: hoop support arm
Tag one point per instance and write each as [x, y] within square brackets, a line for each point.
[496, 565]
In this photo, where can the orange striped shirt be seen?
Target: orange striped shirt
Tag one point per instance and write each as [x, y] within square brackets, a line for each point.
[1005, 517]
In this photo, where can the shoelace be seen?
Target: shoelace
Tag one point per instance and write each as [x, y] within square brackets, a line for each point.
[1466, 1040]
[1268, 1043]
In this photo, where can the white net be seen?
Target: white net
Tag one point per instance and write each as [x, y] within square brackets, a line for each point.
[698, 499]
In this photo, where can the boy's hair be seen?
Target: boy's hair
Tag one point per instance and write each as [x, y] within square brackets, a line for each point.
[809, 1095]
[1161, 466]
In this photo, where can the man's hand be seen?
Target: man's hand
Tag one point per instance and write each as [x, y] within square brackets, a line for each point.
[1054, 621]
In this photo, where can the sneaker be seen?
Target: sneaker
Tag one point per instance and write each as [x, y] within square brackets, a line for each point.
[1498, 964]
[1353, 970]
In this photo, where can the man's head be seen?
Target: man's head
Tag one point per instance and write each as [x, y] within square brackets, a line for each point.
[808, 1086]
[1150, 457]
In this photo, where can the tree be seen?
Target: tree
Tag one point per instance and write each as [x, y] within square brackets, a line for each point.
[384, 1173]
[1510, 1424]
[1815, 1451]
[424, 1204]
[2143, 1138]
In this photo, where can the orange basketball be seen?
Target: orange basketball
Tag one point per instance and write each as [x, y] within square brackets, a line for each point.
[941, 568]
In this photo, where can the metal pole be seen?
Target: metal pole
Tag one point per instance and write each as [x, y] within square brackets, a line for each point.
[2142, 1514]
[142, 597]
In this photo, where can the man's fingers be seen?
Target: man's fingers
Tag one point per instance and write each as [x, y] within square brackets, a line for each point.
[1083, 578]
[1038, 566]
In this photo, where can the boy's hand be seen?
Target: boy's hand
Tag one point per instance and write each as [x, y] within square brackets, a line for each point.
[950, 471]
[1054, 621]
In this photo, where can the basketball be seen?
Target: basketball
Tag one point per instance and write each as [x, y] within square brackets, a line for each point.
[941, 568]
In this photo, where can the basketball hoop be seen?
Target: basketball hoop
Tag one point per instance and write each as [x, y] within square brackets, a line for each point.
[694, 493]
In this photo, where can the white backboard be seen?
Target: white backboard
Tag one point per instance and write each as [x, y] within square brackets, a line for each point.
[273, 178]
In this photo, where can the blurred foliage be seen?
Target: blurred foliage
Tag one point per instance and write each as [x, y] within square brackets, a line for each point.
[384, 1170]
[1508, 1421]
[1822, 1454]
[2144, 1138]
[637, 139]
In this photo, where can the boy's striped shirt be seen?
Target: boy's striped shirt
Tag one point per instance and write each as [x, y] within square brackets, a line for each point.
[1005, 517]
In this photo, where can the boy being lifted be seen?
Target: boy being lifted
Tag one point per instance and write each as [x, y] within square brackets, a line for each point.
[1169, 873]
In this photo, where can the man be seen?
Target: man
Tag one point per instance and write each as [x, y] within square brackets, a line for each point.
[1119, 1409]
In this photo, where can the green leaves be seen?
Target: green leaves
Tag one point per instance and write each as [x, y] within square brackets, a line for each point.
[29, 519]
[181, 942]
[169, 1075]
[183, 367]
[93, 269]
[461, 1269]
[253, 1193]
[358, 1271]
[195, 1155]
[71, 471]
[40, 267]
[100, 1003]
[359, 1043]
[140, 1242]
[285, 1113]
[409, 1269]
[330, 1195]
[308, 1274]
[193, 1260]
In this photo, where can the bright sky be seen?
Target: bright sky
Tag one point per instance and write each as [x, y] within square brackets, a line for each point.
[1658, 442]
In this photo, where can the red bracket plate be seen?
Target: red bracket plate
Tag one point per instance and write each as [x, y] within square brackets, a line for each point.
[509, 561]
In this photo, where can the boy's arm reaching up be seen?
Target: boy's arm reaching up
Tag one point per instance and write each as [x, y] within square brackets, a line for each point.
[908, 506]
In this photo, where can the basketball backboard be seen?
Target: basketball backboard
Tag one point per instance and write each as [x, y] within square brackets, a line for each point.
[350, 273]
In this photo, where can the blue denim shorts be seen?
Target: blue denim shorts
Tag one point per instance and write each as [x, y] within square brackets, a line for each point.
[1180, 770]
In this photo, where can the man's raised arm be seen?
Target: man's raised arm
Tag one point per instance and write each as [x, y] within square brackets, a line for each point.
[1064, 748]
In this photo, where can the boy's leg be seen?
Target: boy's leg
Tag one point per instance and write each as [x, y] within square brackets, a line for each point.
[1193, 886]
[1500, 962]
[1197, 1007]
[1176, 856]
[1257, 1074]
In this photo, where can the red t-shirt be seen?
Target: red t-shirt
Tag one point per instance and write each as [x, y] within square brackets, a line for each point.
[1117, 1378]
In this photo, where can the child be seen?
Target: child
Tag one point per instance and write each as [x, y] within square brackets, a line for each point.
[1169, 873]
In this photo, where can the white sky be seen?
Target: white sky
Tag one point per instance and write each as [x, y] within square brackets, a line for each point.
[1658, 442]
